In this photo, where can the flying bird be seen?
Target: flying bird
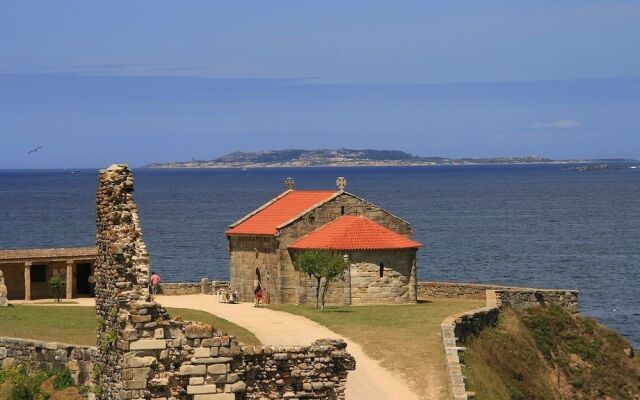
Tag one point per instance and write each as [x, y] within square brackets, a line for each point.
[34, 150]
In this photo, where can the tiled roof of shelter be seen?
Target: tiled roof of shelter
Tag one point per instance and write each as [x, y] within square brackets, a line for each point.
[352, 232]
[266, 219]
[60, 252]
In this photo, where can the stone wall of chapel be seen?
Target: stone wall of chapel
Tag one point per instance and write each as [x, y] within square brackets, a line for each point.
[295, 285]
[248, 253]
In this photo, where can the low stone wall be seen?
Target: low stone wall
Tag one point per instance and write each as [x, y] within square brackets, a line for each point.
[457, 328]
[44, 356]
[523, 299]
[455, 289]
[3, 291]
[181, 288]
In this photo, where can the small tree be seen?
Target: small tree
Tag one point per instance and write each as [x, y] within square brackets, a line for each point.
[57, 284]
[320, 264]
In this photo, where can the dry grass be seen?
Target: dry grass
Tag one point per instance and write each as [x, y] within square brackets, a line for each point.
[548, 354]
[405, 338]
[78, 324]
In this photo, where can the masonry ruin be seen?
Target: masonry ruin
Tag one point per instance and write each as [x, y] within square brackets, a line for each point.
[145, 354]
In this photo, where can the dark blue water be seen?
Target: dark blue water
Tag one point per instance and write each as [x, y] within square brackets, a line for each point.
[538, 226]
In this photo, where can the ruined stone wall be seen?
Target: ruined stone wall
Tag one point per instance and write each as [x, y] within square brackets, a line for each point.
[3, 292]
[454, 289]
[521, 299]
[143, 353]
[45, 356]
[518, 298]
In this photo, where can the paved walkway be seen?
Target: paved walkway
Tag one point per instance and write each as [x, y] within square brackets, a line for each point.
[369, 380]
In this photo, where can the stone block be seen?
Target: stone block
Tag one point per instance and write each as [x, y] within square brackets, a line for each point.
[201, 389]
[193, 369]
[217, 369]
[202, 352]
[148, 344]
[196, 380]
[198, 330]
[218, 396]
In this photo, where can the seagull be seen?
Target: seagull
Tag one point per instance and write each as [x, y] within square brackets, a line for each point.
[34, 150]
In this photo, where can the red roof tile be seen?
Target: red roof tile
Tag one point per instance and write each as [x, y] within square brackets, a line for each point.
[266, 219]
[352, 232]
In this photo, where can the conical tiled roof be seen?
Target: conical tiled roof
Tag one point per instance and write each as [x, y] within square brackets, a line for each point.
[352, 232]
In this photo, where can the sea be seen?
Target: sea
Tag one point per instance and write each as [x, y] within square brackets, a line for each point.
[527, 225]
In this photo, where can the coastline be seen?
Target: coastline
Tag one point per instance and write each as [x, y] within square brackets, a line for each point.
[364, 165]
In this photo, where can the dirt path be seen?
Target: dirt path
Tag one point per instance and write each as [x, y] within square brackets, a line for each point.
[368, 381]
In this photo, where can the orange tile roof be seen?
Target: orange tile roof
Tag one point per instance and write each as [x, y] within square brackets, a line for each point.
[266, 219]
[352, 232]
[59, 252]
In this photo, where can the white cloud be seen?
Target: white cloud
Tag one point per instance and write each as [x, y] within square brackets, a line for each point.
[559, 124]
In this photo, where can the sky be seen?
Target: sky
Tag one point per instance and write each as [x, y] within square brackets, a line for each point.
[93, 83]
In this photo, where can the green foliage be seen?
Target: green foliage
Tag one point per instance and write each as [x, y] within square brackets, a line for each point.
[24, 386]
[57, 283]
[108, 340]
[321, 264]
[99, 390]
[63, 380]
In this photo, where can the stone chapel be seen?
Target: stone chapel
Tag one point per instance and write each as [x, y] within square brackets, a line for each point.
[377, 244]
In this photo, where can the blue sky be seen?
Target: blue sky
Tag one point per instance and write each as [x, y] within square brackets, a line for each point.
[96, 83]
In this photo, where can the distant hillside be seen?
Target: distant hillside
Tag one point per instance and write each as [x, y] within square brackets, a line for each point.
[335, 158]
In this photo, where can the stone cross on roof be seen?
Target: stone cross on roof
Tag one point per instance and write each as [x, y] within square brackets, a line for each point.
[341, 182]
[289, 183]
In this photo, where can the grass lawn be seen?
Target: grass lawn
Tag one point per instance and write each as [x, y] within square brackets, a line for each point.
[406, 338]
[78, 324]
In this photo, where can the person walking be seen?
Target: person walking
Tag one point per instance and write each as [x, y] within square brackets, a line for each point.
[91, 280]
[155, 282]
[259, 293]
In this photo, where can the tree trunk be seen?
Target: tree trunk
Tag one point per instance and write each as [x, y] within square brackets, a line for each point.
[324, 292]
[318, 291]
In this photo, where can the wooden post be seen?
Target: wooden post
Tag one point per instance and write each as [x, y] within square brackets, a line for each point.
[69, 285]
[27, 281]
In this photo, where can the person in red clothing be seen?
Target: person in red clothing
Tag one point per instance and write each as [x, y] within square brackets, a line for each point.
[155, 282]
[259, 293]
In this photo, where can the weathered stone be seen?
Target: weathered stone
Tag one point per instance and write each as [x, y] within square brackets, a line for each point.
[193, 370]
[198, 330]
[201, 389]
[239, 387]
[148, 344]
[217, 369]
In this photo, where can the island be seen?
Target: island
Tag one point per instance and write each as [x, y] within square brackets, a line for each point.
[342, 158]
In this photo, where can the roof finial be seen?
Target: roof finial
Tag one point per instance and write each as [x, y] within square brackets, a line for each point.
[289, 183]
[341, 182]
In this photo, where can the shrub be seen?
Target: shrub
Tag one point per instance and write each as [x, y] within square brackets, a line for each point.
[63, 380]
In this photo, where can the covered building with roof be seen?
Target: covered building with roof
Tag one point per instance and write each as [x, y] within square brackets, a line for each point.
[378, 245]
[27, 271]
